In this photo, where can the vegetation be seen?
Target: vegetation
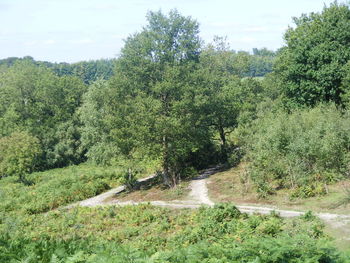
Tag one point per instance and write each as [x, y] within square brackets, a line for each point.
[234, 185]
[87, 71]
[223, 95]
[313, 64]
[171, 105]
[153, 116]
[54, 188]
[304, 150]
[19, 152]
[149, 234]
[36, 101]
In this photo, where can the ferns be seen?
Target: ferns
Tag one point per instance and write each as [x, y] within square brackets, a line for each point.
[147, 234]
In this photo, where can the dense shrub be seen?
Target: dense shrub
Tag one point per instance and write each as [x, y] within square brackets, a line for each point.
[18, 154]
[303, 150]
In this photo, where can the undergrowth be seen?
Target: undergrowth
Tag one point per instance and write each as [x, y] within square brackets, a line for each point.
[146, 233]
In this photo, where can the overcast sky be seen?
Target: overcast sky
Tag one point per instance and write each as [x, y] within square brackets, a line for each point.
[75, 30]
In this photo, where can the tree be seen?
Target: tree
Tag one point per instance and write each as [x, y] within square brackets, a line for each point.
[262, 62]
[18, 155]
[312, 65]
[148, 106]
[223, 95]
[345, 85]
[301, 150]
[35, 100]
[87, 71]
[101, 131]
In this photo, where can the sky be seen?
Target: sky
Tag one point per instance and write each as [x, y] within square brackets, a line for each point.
[76, 30]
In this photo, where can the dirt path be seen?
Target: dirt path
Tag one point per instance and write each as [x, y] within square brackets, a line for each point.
[100, 199]
[199, 189]
[199, 197]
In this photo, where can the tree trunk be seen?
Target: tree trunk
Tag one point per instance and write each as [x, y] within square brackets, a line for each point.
[223, 144]
[166, 168]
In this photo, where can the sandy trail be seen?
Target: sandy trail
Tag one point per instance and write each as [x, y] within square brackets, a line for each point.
[199, 197]
[100, 199]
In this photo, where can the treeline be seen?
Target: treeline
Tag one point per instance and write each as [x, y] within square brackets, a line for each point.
[87, 71]
[171, 103]
[258, 64]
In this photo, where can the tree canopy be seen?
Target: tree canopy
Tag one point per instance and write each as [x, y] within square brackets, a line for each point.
[313, 63]
[35, 100]
[152, 93]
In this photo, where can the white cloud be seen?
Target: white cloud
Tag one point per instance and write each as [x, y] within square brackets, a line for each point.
[49, 42]
[223, 24]
[247, 40]
[254, 29]
[30, 43]
[238, 27]
[82, 41]
[118, 36]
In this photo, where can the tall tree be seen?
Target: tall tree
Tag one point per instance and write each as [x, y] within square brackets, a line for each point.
[157, 63]
[152, 94]
[312, 65]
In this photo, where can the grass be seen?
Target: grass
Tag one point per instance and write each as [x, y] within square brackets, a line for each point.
[235, 186]
[341, 234]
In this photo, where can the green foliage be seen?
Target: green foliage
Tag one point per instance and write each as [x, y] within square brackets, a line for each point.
[313, 64]
[19, 154]
[345, 201]
[147, 108]
[223, 98]
[96, 113]
[55, 188]
[87, 71]
[129, 179]
[303, 150]
[167, 104]
[68, 149]
[345, 85]
[35, 100]
[261, 62]
[149, 234]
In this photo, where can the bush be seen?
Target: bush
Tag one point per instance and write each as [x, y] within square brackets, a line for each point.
[303, 150]
[129, 179]
[18, 154]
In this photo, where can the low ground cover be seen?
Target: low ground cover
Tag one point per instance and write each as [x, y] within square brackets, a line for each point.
[146, 233]
[54, 188]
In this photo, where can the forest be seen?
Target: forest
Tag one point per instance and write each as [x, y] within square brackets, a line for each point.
[172, 105]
